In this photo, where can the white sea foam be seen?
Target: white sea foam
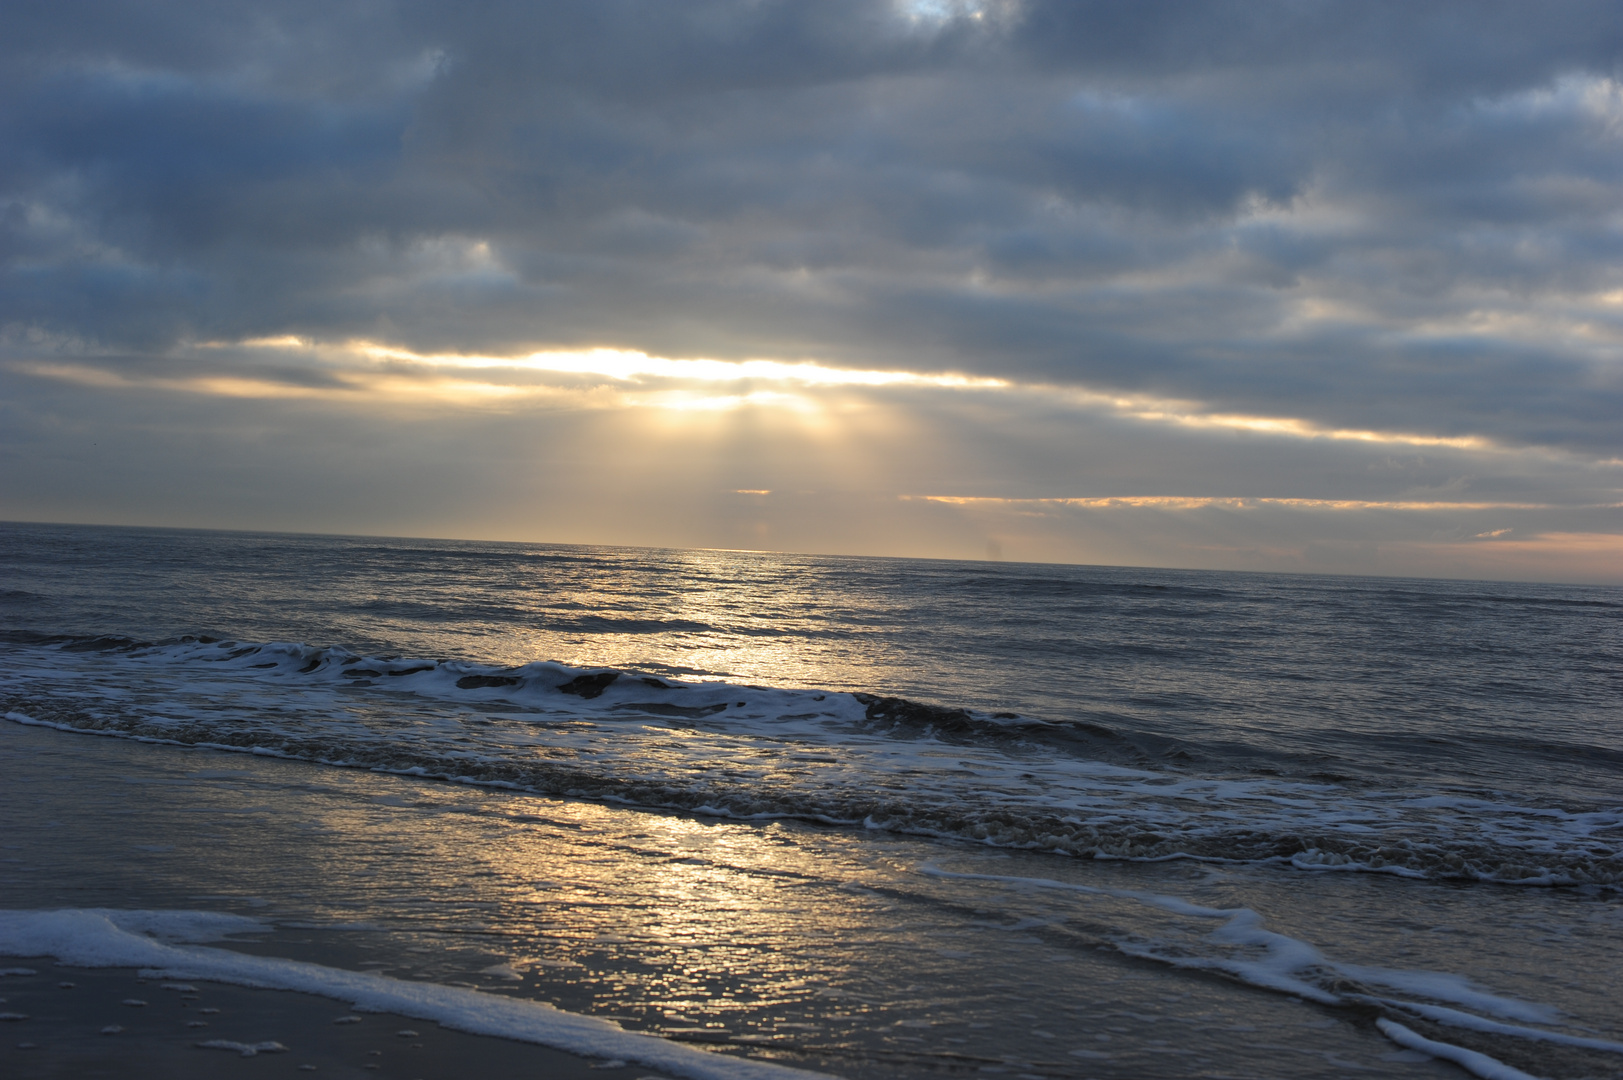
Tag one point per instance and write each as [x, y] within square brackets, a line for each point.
[1244, 949]
[163, 944]
[828, 757]
[1454, 1018]
[1439, 986]
[1476, 1064]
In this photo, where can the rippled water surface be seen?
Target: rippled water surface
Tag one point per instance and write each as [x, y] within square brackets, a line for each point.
[879, 814]
[1508, 686]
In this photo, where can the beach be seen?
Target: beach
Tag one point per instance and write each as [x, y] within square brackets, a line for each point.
[719, 873]
[765, 540]
[697, 930]
[204, 1030]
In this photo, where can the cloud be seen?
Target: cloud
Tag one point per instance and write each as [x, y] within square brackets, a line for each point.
[1377, 225]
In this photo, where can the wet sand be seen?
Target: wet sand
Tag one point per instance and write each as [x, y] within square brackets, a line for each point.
[67, 1016]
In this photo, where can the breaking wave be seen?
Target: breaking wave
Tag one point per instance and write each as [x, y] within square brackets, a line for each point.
[752, 752]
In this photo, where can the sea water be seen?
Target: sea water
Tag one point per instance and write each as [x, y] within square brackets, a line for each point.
[874, 817]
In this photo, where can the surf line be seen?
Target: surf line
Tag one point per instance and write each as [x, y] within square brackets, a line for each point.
[1287, 957]
[96, 938]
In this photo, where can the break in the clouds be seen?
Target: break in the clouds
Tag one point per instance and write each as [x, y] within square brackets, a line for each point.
[1290, 285]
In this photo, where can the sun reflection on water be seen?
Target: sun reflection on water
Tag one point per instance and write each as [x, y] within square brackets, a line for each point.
[817, 946]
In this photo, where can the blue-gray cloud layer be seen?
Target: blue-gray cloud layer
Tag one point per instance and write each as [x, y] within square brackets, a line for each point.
[1392, 216]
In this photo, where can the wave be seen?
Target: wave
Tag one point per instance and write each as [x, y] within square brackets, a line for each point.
[751, 752]
[1473, 1027]
[165, 945]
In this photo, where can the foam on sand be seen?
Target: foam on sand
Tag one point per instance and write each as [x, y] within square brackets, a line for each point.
[164, 944]
[1454, 1018]
[1242, 948]
[1472, 1062]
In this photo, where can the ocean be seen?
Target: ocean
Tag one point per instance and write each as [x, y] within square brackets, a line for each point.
[869, 817]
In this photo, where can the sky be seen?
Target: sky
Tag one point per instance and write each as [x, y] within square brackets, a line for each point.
[1257, 285]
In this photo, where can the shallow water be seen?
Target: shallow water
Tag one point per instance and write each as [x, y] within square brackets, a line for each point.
[830, 948]
[1290, 732]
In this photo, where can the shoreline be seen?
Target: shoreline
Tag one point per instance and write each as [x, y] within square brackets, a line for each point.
[69, 1010]
[839, 953]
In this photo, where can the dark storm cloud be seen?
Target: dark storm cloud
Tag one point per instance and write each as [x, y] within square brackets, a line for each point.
[1142, 197]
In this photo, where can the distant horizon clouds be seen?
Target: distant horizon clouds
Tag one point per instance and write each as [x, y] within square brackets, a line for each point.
[1273, 285]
